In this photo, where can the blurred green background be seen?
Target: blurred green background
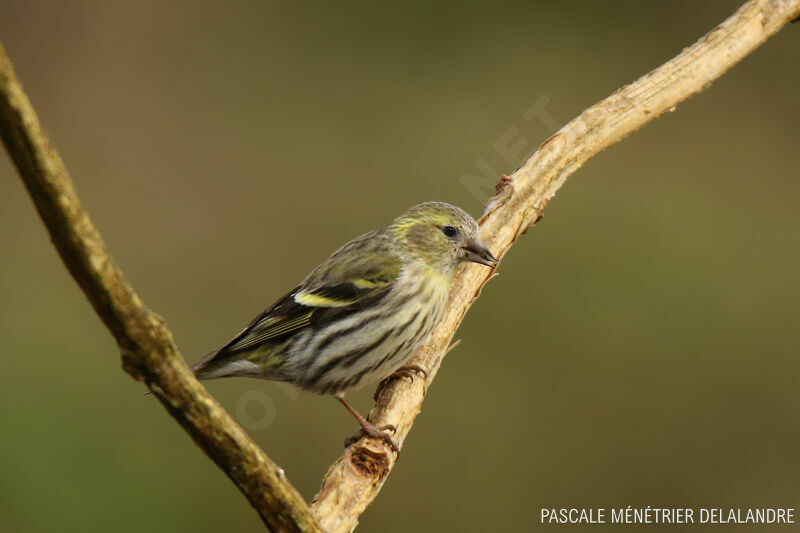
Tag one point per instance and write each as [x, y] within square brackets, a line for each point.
[639, 347]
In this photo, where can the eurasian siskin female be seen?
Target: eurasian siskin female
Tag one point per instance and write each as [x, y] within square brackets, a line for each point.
[360, 315]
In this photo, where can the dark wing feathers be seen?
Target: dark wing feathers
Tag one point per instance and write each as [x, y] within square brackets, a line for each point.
[334, 290]
[288, 316]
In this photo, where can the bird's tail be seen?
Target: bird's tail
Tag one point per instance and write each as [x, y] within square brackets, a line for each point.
[224, 362]
[208, 367]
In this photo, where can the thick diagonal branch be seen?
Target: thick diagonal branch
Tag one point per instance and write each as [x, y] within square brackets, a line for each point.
[148, 351]
[355, 479]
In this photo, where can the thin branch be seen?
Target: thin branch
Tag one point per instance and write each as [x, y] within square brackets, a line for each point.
[148, 351]
[354, 480]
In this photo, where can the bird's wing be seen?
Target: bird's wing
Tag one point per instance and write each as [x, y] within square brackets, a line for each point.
[338, 287]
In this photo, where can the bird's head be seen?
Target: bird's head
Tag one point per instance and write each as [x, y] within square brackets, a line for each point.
[441, 236]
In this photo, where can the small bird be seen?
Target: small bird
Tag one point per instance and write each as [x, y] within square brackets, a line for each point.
[360, 315]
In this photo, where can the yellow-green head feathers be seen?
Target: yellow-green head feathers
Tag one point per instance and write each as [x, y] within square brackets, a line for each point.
[441, 236]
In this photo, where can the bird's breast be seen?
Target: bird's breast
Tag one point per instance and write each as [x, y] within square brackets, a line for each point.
[371, 343]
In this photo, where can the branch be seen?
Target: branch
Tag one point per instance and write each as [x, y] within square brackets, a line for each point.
[148, 351]
[354, 480]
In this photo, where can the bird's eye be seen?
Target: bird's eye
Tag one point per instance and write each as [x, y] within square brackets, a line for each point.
[449, 231]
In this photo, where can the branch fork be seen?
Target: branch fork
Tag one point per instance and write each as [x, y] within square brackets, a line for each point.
[149, 353]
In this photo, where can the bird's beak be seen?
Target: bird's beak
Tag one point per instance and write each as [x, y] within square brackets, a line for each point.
[477, 252]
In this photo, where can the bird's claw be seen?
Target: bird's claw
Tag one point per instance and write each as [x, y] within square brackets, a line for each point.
[376, 432]
[406, 371]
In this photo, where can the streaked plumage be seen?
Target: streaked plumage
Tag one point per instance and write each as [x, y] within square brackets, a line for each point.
[363, 312]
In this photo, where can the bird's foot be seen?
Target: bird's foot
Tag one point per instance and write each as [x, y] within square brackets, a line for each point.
[406, 371]
[368, 429]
